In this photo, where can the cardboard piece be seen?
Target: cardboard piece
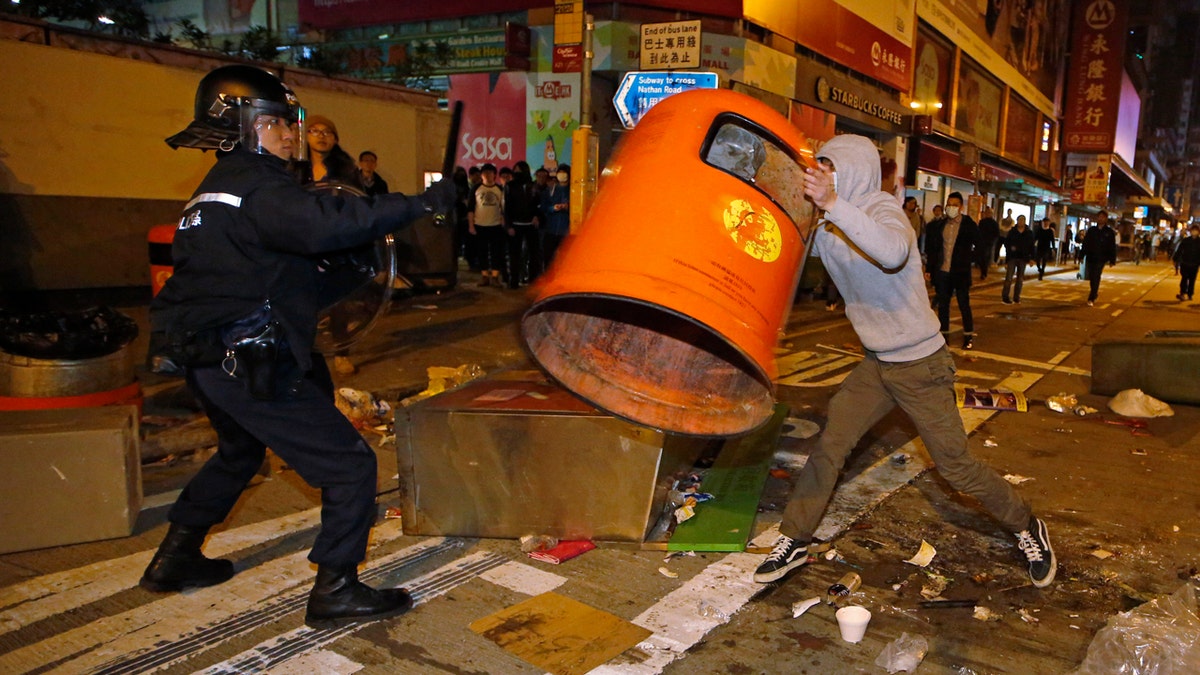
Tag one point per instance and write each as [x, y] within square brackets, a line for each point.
[558, 634]
[68, 475]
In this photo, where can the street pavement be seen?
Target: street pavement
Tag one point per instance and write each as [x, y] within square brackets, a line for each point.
[1120, 502]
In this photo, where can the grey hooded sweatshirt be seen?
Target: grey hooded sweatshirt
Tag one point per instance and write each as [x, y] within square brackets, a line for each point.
[870, 251]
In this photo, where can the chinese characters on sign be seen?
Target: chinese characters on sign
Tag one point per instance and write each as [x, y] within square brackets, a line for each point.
[667, 46]
[1094, 79]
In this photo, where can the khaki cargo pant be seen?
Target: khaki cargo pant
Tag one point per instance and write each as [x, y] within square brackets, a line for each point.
[924, 390]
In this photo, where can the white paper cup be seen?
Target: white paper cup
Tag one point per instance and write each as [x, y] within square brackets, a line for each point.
[853, 622]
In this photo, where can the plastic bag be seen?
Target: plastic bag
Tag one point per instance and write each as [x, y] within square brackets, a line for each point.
[1136, 403]
[904, 653]
[1160, 637]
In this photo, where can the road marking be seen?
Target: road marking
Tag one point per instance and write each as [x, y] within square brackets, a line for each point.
[50, 594]
[195, 617]
[1021, 362]
[1117, 313]
[294, 643]
[1058, 358]
[801, 378]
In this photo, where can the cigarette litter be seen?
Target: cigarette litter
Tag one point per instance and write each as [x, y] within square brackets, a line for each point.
[668, 573]
[1016, 479]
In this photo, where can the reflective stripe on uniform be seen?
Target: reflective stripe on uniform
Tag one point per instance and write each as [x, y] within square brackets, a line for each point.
[222, 197]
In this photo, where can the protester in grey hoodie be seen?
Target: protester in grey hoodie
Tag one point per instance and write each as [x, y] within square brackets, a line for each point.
[868, 247]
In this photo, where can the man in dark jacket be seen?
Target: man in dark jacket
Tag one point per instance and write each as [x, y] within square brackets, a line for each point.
[1187, 261]
[522, 218]
[240, 315]
[1043, 238]
[1099, 249]
[1018, 251]
[989, 240]
[950, 245]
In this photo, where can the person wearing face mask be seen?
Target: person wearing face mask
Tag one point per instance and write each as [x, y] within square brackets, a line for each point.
[556, 211]
[950, 247]
[869, 249]
[1019, 250]
[239, 315]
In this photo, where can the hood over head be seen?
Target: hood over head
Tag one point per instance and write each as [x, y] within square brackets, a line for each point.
[856, 161]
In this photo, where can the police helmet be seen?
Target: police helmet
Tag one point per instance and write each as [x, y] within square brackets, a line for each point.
[228, 100]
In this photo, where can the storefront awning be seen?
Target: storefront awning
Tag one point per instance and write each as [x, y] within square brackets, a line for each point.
[1019, 187]
[1124, 180]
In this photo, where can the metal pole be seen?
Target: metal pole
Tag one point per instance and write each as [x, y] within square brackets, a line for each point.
[585, 80]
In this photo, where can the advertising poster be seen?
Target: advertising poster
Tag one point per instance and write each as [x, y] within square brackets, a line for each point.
[553, 105]
[493, 128]
[1017, 41]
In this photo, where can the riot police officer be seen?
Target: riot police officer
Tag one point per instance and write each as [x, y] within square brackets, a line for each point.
[240, 313]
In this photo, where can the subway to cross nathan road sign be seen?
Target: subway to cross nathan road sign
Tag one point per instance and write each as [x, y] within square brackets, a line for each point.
[640, 91]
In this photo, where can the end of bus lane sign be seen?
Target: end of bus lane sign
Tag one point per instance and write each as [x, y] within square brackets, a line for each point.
[641, 91]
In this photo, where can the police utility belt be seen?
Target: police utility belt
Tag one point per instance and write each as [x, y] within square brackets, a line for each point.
[253, 345]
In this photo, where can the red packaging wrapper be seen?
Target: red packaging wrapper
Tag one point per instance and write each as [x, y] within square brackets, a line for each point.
[564, 551]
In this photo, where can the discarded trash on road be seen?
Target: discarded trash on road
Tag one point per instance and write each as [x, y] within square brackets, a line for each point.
[563, 552]
[990, 399]
[852, 622]
[1063, 402]
[1136, 403]
[904, 653]
[1016, 479]
[924, 556]
[442, 378]
[801, 606]
[361, 407]
[538, 542]
[841, 590]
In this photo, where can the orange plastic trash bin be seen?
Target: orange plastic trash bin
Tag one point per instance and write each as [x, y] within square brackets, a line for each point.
[159, 241]
[665, 307]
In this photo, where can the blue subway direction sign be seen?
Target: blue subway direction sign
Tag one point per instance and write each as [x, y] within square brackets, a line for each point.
[641, 91]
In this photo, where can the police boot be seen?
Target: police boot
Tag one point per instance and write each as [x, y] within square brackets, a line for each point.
[179, 564]
[338, 598]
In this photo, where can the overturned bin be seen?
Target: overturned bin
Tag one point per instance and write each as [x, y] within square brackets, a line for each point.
[665, 307]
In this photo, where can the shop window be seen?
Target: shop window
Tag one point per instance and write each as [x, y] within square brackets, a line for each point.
[745, 150]
[931, 84]
[977, 109]
[1021, 129]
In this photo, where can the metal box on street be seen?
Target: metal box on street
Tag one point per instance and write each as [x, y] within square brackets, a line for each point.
[68, 475]
[506, 458]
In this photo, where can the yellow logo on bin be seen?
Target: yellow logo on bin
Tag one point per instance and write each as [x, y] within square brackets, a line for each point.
[754, 231]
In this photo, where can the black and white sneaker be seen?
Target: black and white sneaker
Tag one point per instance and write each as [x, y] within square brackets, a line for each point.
[968, 342]
[1035, 544]
[787, 555]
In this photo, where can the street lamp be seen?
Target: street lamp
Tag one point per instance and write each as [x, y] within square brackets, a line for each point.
[923, 114]
[925, 107]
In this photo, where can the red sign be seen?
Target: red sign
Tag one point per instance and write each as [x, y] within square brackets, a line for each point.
[834, 31]
[568, 58]
[1094, 75]
[493, 124]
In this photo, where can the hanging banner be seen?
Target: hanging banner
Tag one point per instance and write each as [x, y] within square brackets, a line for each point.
[1094, 75]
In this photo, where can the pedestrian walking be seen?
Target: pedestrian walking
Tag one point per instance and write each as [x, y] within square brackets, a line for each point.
[950, 248]
[868, 246]
[1099, 249]
[1043, 246]
[1019, 247]
[240, 316]
[1187, 261]
[989, 240]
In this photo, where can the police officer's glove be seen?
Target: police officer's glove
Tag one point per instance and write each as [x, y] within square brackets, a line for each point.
[441, 197]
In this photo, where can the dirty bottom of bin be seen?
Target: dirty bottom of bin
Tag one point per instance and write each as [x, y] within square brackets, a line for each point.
[648, 364]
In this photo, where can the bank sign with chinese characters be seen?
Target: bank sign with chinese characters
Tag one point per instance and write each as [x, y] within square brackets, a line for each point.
[1094, 76]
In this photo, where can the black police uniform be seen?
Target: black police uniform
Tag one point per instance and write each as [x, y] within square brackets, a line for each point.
[247, 239]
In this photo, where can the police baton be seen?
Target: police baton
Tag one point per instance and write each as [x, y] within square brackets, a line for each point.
[451, 156]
